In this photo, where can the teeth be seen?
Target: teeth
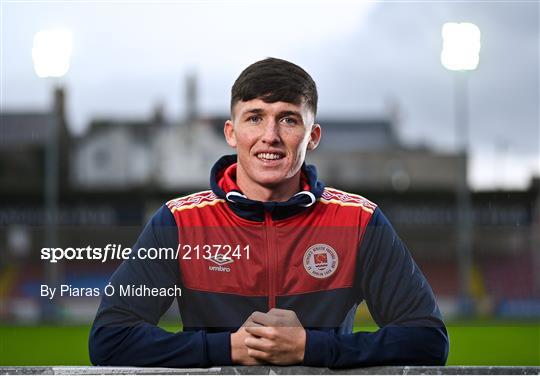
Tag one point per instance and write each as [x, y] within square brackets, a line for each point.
[268, 156]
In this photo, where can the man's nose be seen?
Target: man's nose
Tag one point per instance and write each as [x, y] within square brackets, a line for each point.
[271, 132]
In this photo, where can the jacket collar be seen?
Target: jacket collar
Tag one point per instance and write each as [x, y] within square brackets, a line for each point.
[223, 184]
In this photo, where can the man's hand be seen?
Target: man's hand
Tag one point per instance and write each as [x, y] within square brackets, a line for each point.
[276, 337]
[239, 350]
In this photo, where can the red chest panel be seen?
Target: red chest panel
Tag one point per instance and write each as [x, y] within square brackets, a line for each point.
[312, 251]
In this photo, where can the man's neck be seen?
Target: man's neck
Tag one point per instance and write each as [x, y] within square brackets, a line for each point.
[258, 192]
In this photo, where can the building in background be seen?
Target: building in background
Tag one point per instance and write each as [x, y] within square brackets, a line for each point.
[23, 143]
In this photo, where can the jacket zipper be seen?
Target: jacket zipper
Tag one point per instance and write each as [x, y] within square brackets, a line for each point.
[271, 258]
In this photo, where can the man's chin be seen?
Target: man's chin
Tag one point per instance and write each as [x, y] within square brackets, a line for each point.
[271, 180]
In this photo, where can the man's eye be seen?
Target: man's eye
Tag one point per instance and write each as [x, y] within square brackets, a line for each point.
[254, 119]
[289, 120]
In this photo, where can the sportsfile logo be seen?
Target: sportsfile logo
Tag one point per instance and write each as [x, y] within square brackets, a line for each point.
[220, 260]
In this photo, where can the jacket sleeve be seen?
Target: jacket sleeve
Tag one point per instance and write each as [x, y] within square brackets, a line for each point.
[125, 331]
[400, 301]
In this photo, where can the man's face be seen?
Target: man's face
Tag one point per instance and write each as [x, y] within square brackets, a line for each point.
[271, 140]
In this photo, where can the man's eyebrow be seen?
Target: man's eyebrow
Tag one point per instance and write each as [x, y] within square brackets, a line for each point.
[289, 113]
[258, 111]
[253, 111]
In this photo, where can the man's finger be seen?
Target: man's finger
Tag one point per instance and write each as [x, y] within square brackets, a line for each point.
[250, 323]
[261, 331]
[285, 318]
[260, 344]
[263, 318]
[280, 312]
[254, 313]
[259, 355]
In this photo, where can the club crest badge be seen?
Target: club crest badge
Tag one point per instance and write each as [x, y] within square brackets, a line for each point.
[320, 261]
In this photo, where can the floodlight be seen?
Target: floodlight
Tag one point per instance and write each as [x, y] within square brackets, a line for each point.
[51, 52]
[461, 46]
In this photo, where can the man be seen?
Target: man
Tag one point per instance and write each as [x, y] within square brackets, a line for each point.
[272, 265]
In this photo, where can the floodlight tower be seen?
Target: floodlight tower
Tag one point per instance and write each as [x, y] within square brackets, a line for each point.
[51, 53]
[460, 54]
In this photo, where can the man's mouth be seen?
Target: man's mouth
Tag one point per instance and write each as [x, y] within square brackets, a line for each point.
[269, 156]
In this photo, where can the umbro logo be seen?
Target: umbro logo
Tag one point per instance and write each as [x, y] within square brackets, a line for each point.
[220, 260]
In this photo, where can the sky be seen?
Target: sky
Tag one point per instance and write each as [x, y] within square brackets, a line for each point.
[129, 56]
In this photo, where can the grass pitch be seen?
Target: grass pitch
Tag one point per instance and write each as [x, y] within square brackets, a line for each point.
[475, 343]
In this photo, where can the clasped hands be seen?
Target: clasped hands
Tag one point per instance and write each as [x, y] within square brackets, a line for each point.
[275, 337]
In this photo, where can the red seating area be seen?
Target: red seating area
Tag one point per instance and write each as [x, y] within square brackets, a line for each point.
[442, 276]
[503, 277]
[509, 277]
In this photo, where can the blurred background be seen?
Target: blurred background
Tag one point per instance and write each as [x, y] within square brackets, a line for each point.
[110, 109]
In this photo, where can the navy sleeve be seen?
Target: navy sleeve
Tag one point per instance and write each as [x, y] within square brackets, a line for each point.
[125, 331]
[400, 301]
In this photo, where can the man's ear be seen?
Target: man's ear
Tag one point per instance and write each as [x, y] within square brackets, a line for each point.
[230, 136]
[314, 136]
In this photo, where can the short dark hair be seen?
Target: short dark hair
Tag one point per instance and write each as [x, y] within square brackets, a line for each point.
[275, 80]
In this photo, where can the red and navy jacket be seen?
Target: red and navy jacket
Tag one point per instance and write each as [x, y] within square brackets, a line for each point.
[320, 254]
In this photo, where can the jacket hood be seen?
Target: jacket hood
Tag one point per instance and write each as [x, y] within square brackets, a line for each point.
[223, 184]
